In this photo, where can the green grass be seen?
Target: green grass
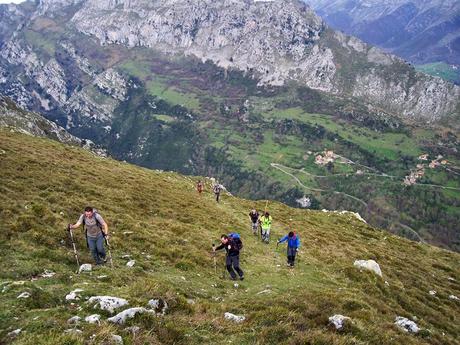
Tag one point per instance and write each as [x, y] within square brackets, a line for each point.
[164, 118]
[40, 42]
[441, 69]
[170, 94]
[158, 85]
[389, 145]
[45, 185]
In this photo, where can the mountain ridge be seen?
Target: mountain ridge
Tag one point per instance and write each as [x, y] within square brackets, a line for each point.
[297, 46]
[420, 31]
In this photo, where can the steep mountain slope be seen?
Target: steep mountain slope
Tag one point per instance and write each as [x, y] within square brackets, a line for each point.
[156, 220]
[420, 31]
[17, 119]
[141, 91]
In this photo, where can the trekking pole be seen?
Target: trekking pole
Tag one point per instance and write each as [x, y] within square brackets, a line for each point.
[108, 249]
[215, 259]
[224, 268]
[74, 248]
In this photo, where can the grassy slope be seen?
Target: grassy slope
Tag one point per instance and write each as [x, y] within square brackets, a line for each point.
[440, 69]
[45, 185]
[250, 147]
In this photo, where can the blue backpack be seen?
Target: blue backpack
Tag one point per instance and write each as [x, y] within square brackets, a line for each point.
[236, 239]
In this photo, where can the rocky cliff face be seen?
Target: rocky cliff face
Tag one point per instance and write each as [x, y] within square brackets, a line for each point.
[276, 40]
[273, 41]
[17, 119]
[420, 31]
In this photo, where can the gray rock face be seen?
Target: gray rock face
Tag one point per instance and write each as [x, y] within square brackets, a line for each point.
[31, 123]
[277, 41]
[240, 34]
[272, 41]
[17, 119]
[419, 30]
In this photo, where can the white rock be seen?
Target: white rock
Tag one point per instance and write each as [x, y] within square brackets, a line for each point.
[73, 331]
[121, 317]
[236, 285]
[74, 320]
[102, 277]
[47, 274]
[131, 263]
[338, 321]
[95, 318]
[235, 318]
[156, 303]
[454, 298]
[406, 324]
[74, 295]
[24, 295]
[108, 303]
[133, 329]
[432, 293]
[126, 256]
[369, 265]
[117, 339]
[15, 332]
[264, 292]
[85, 268]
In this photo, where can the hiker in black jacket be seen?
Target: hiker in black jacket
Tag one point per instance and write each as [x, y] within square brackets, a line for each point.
[232, 245]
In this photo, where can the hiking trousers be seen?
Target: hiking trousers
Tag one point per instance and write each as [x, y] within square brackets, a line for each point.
[291, 253]
[233, 262]
[266, 234]
[255, 226]
[96, 246]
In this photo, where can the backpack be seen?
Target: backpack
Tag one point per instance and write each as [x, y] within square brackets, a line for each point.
[99, 225]
[236, 239]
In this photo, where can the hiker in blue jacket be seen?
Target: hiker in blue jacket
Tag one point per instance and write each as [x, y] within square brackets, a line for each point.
[293, 241]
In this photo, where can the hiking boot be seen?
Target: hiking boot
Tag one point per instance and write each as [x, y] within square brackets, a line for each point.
[242, 278]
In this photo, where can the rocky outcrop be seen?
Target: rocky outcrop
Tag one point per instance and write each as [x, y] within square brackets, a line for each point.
[31, 123]
[17, 119]
[112, 83]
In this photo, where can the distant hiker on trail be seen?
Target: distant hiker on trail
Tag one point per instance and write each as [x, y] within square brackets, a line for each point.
[232, 244]
[293, 241]
[199, 187]
[95, 230]
[217, 188]
[254, 217]
[265, 223]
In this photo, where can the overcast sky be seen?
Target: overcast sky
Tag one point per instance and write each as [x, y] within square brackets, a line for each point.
[11, 1]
